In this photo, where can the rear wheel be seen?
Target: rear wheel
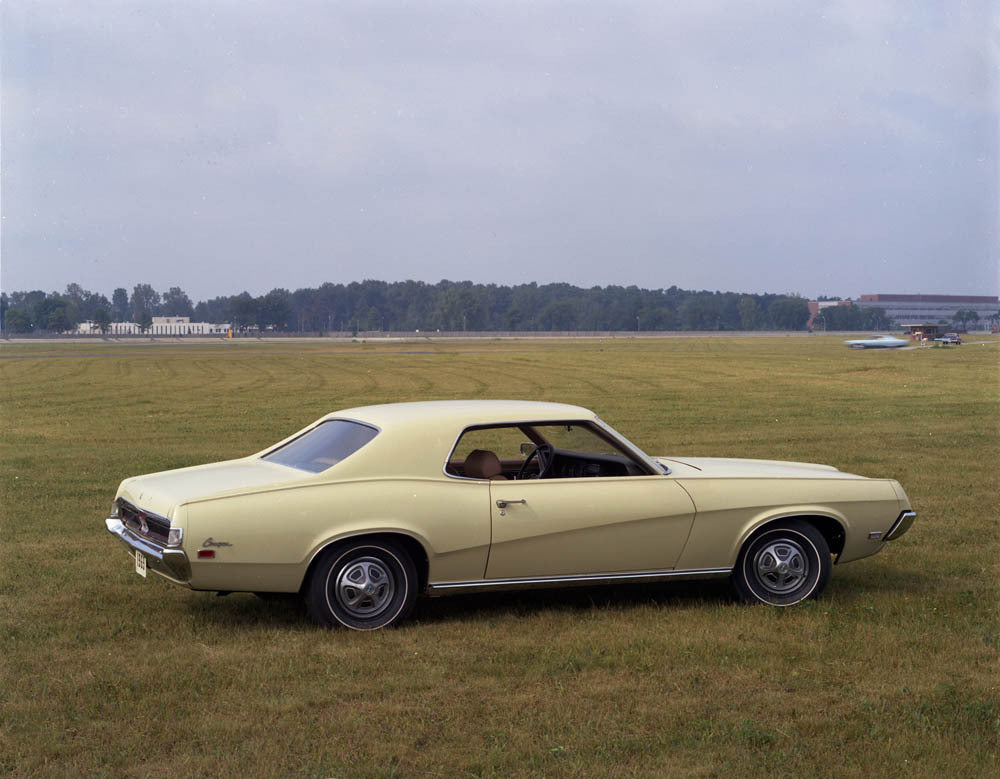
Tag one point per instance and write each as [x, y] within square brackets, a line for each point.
[363, 585]
[783, 565]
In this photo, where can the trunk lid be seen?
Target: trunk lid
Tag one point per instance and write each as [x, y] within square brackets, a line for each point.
[161, 492]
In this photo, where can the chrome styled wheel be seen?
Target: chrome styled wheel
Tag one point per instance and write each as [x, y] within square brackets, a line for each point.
[783, 564]
[363, 585]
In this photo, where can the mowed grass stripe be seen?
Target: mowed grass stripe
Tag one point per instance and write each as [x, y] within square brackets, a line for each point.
[895, 670]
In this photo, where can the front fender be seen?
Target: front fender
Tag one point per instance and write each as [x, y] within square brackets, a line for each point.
[805, 511]
[730, 510]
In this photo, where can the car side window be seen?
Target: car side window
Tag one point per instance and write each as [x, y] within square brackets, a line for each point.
[566, 450]
[505, 442]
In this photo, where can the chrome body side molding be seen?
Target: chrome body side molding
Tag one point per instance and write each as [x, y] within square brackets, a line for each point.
[480, 585]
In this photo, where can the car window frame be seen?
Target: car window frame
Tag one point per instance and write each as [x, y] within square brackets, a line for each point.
[597, 426]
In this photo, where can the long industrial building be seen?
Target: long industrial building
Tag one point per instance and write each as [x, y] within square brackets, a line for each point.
[932, 308]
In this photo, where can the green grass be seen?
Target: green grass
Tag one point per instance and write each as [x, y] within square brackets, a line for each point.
[895, 671]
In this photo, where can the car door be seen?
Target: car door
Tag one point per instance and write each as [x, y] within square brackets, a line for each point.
[565, 527]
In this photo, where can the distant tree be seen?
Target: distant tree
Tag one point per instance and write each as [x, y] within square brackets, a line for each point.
[17, 320]
[275, 310]
[451, 305]
[965, 316]
[27, 299]
[119, 305]
[513, 319]
[145, 322]
[93, 302]
[827, 318]
[144, 302]
[102, 320]
[52, 312]
[241, 311]
[560, 315]
[213, 310]
[176, 303]
[749, 313]
[656, 318]
[459, 308]
[789, 313]
[59, 319]
[874, 319]
[701, 312]
[74, 293]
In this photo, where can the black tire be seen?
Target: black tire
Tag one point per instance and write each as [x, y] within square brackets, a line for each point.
[782, 565]
[362, 585]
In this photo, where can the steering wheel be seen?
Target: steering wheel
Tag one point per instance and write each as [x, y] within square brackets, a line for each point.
[545, 455]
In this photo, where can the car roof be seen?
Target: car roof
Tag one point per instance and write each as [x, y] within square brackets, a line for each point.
[461, 413]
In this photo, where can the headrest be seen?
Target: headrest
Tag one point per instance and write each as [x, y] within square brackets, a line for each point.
[482, 464]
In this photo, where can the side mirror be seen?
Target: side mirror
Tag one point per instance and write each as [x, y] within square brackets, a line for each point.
[527, 448]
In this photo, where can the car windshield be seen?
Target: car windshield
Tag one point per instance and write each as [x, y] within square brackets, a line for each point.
[324, 446]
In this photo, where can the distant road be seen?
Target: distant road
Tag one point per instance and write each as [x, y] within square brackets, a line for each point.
[425, 337]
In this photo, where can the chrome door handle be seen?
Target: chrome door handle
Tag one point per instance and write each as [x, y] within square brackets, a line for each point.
[502, 505]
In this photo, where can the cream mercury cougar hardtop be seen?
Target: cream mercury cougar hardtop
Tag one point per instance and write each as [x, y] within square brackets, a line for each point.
[368, 507]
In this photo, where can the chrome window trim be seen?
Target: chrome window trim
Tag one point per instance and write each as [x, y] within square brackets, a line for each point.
[578, 579]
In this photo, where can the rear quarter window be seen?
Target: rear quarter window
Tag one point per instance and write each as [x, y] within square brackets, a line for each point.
[324, 446]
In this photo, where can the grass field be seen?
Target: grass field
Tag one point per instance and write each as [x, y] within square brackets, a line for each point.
[896, 671]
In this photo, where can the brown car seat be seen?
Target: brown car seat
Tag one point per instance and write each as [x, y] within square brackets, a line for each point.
[483, 464]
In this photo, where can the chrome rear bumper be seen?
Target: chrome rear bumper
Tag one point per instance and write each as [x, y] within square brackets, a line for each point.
[170, 563]
[901, 525]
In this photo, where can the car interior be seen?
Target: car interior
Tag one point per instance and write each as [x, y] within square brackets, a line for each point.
[549, 450]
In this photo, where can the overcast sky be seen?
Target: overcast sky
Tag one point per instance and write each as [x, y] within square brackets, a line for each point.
[830, 148]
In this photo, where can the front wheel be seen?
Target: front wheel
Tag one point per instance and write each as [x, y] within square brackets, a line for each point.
[362, 585]
[783, 565]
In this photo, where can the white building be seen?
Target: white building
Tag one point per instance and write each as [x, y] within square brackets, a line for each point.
[162, 325]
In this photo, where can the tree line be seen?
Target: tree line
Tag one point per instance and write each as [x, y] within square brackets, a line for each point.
[415, 305]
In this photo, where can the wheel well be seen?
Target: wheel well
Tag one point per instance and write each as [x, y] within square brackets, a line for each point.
[413, 547]
[830, 529]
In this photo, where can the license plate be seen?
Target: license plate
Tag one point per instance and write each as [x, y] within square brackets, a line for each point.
[140, 563]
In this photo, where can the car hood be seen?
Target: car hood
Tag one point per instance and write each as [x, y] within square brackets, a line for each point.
[161, 492]
[732, 468]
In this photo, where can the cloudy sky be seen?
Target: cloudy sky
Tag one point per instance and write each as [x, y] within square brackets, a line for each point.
[832, 148]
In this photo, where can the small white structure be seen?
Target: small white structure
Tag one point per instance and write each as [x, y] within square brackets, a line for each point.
[162, 325]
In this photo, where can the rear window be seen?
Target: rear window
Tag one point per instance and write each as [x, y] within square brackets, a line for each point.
[324, 446]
